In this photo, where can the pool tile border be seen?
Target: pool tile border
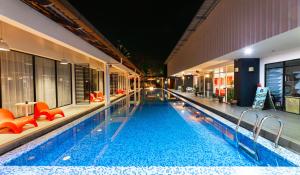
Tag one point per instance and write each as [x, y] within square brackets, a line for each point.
[152, 170]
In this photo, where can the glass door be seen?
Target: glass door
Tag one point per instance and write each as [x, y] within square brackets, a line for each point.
[82, 84]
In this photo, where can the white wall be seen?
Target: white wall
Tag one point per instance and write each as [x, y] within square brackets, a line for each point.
[277, 57]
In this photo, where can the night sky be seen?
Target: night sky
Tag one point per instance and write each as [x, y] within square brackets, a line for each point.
[149, 30]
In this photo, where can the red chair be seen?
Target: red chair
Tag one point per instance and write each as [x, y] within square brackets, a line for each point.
[95, 99]
[120, 91]
[99, 95]
[8, 120]
[41, 108]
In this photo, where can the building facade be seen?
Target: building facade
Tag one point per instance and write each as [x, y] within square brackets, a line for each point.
[236, 44]
[42, 59]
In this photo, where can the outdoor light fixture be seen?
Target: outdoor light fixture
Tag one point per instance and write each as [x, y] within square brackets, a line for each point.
[251, 69]
[3, 45]
[248, 51]
[64, 61]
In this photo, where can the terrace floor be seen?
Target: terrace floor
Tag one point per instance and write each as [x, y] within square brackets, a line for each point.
[9, 140]
[290, 137]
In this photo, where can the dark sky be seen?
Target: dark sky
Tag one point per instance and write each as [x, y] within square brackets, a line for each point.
[149, 29]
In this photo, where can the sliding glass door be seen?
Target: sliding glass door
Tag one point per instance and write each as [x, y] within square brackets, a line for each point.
[64, 84]
[16, 80]
[45, 81]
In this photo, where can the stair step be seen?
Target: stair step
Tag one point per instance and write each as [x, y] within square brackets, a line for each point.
[248, 150]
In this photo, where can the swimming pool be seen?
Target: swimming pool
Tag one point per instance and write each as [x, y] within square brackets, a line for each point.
[162, 131]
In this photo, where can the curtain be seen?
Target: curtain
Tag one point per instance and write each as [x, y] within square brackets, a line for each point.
[64, 79]
[16, 81]
[95, 80]
[101, 81]
[45, 81]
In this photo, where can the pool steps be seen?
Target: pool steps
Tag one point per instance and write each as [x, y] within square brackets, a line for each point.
[256, 130]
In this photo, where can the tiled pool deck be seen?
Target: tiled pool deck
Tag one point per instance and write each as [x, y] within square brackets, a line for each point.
[9, 140]
[290, 137]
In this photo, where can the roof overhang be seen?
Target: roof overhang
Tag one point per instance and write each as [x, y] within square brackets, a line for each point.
[205, 9]
[67, 16]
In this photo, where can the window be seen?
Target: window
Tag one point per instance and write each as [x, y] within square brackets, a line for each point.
[113, 83]
[16, 81]
[274, 80]
[95, 80]
[292, 78]
[45, 81]
[64, 84]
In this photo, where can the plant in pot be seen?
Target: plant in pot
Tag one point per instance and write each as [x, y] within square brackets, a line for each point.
[221, 98]
[196, 90]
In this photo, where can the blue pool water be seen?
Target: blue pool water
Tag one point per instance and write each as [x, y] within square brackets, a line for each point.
[159, 132]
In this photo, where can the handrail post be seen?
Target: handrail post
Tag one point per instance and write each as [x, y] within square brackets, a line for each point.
[279, 131]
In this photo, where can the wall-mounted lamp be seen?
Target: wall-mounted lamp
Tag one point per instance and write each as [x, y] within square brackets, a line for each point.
[236, 69]
[251, 69]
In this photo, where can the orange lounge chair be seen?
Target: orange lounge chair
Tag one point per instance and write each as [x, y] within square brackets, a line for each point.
[120, 91]
[95, 99]
[99, 95]
[8, 120]
[41, 108]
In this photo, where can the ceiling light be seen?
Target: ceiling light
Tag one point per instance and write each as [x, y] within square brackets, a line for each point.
[4, 46]
[248, 51]
[64, 61]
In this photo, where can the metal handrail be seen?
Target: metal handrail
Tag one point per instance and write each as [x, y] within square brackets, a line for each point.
[279, 131]
[241, 118]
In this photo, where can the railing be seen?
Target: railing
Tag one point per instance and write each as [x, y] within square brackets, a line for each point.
[261, 124]
[241, 118]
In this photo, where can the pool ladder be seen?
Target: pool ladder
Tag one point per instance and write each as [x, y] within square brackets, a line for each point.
[256, 130]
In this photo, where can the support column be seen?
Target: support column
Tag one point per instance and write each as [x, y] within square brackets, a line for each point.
[106, 84]
[134, 88]
[246, 78]
[73, 85]
[139, 83]
[127, 84]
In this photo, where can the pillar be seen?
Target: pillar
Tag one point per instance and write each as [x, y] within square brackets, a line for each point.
[246, 78]
[139, 83]
[106, 84]
[134, 88]
[127, 83]
[73, 85]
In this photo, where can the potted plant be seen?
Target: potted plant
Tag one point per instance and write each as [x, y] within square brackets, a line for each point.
[196, 90]
[221, 98]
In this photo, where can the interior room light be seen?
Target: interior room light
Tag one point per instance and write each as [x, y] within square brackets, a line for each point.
[248, 51]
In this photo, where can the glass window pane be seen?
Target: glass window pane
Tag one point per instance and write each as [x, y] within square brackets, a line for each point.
[274, 80]
[45, 81]
[95, 80]
[16, 81]
[64, 79]
[292, 81]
